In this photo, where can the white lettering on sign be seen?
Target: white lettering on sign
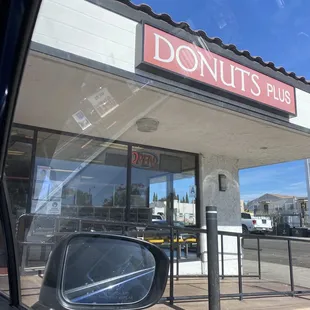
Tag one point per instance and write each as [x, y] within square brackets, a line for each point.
[171, 53]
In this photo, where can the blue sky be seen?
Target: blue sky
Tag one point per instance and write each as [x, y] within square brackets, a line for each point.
[286, 178]
[181, 188]
[277, 31]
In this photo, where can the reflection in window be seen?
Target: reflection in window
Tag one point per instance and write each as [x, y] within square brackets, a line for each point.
[185, 197]
[18, 169]
[103, 102]
[81, 120]
[61, 186]
[157, 176]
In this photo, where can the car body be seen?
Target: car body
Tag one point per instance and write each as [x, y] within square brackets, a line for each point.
[157, 217]
[251, 224]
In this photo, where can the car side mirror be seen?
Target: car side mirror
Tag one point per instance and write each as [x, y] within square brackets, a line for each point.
[102, 271]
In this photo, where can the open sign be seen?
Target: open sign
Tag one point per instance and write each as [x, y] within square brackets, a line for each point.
[144, 160]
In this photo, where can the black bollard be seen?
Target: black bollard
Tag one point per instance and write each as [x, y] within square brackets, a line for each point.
[213, 259]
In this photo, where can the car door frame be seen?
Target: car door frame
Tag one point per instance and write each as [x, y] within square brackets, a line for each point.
[17, 21]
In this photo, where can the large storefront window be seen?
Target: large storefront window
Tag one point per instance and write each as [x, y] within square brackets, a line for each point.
[59, 174]
[79, 177]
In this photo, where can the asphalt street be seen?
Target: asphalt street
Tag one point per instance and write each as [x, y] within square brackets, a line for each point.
[274, 251]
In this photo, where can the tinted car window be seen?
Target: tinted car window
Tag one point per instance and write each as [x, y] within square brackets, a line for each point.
[245, 216]
[4, 278]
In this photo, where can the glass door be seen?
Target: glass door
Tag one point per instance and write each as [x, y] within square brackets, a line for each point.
[164, 183]
[159, 198]
[149, 190]
[184, 185]
[184, 207]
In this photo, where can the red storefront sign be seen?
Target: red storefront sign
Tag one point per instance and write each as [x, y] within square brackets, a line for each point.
[168, 52]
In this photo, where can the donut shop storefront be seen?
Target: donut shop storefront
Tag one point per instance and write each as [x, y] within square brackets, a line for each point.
[140, 112]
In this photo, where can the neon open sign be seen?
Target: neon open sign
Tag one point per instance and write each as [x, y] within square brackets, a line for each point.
[144, 160]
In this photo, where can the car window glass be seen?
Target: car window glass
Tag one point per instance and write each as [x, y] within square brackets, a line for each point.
[129, 122]
[245, 216]
[87, 156]
[4, 278]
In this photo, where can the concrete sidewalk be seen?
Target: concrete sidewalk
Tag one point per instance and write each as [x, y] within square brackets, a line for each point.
[196, 287]
[187, 287]
[279, 273]
[281, 303]
[275, 277]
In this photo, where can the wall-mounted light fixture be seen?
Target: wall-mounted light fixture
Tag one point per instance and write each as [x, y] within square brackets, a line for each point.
[222, 183]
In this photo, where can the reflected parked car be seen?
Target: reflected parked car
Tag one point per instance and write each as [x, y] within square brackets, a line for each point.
[162, 233]
[157, 217]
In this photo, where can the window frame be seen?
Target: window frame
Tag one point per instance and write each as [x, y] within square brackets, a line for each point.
[129, 145]
[16, 30]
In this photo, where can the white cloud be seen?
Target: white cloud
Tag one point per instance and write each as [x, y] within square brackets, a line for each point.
[296, 185]
[250, 197]
[280, 3]
[261, 175]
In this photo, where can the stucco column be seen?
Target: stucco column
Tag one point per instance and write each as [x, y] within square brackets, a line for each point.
[228, 202]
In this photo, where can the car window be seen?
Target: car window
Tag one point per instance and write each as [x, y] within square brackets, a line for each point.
[4, 278]
[81, 159]
[127, 118]
[179, 224]
[245, 215]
